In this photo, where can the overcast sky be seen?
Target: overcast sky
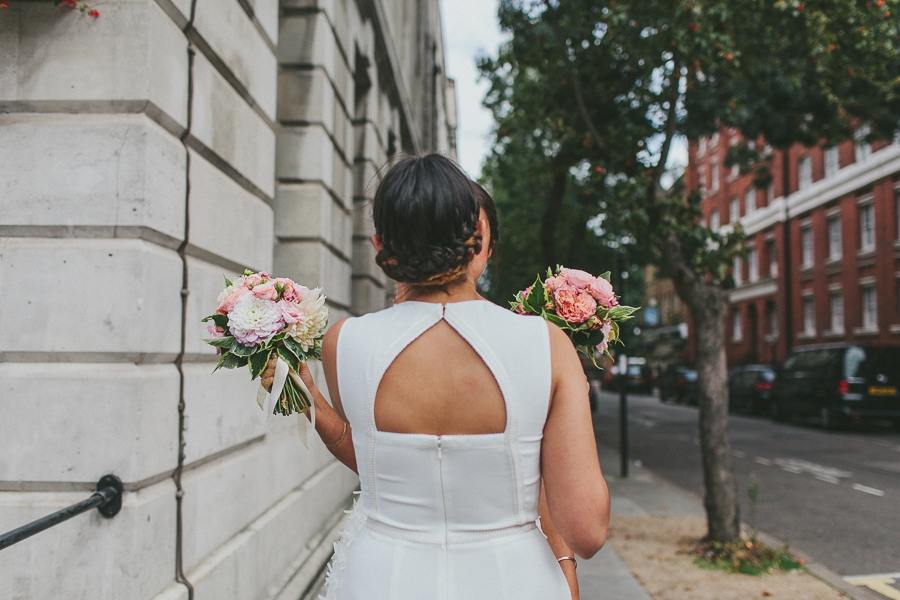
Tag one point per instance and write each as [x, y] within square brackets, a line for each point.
[471, 30]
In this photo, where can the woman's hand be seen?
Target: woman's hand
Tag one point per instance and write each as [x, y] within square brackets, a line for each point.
[268, 374]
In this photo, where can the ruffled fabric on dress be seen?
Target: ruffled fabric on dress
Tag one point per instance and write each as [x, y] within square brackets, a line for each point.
[355, 523]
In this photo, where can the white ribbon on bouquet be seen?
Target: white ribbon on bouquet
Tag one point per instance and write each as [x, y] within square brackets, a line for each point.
[267, 400]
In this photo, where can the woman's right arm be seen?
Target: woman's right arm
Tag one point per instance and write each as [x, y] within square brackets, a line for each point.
[577, 496]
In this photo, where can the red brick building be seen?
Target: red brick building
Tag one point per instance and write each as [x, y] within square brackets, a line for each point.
[823, 261]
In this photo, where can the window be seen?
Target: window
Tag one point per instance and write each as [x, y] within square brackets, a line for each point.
[770, 192]
[750, 200]
[772, 255]
[714, 220]
[736, 270]
[737, 329]
[806, 247]
[734, 210]
[832, 161]
[867, 227]
[752, 265]
[714, 176]
[869, 310]
[804, 172]
[836, 302]
[809, 317]
[834, 238]
[701, 146]
[714, 140]
[772, 316]
[863, 146]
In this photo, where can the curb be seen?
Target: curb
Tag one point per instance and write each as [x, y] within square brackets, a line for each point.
[814, 568]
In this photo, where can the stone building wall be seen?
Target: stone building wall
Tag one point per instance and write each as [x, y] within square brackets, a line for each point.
[144, 154]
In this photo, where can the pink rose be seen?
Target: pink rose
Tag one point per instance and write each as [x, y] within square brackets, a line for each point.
[554, 283]
[579, 279]
[602, 291]
[230, 300]
[254, 279]
[293, 292]
[290, 312]
[266, 291]
[574, 305]
[215, 331]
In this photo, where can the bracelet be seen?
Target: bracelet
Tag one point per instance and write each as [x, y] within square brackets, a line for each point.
[340, 439]
[572, 558]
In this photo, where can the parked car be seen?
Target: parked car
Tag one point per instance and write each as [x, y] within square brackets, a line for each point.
[678, 383]
[637, 377]
[750, 388]
[838, 383]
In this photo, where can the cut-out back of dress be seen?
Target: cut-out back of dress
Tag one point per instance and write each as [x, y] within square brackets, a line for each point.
[439, 385]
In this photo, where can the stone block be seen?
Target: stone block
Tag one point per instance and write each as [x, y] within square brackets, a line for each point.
[363, 222]
[366, 178]
[343, 180]
[227, 220]
[134, 53]
[303, 210]
[306, 96]
[227, 125]
[307, 39]
[221, 410]
[236, 41]
[364, 259]
[91, 170]
[367, 142]
[129, 556]
[368, 296]
[77, 422]
[305, 153]
[341, 125]
[266, 12]
[223, 496]
[99, 296]
[246, 567]
[314, 265]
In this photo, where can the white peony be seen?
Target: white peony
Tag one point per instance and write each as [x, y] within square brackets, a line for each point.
[253, 320]
[306, 331]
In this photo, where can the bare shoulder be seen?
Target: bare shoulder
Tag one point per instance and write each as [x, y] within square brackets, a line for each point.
[329, 343]
[561, 348]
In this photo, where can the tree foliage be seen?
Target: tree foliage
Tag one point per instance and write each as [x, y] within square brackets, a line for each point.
[588, 97]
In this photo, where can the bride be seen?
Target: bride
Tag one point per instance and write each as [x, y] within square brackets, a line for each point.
[464, 420]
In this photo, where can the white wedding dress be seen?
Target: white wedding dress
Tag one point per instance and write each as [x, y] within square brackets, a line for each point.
[448, 517]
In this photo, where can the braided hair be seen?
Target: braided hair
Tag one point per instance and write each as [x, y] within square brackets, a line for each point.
[426, 211]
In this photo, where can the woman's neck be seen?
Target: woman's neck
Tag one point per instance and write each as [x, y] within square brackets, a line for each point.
[459, 292]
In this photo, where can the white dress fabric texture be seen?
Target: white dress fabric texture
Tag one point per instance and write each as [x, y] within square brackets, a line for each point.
[450, 517]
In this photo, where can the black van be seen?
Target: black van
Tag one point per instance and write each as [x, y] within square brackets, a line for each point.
[837, 383]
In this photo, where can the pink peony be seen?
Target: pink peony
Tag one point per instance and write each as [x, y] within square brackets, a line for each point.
[291, 313]
[253, 320]
[293, 292]
[602, 291]
[574, 305]
[228, 302]
[554, 283]
[606, 329]
[266, 291]
[254, 279]
[579, 279]
[215, 331]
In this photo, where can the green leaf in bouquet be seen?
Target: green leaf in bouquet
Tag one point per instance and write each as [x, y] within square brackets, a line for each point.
[536, 297]
[579, 337]
[275, 340]
[230, 361]
[556, 320]
[549, 272]
[222, 342]
[219, 320]
[621, 313]
[242, 350]
[602, 313]
[295, 347]
[258, 361]
[228, 282]
[316, 352]
[289, 357]
[595, 338]
[606, 275]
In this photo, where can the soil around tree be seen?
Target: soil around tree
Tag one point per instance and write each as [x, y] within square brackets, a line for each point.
[655, 549]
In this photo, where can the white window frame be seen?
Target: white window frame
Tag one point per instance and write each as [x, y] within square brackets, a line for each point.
[734, 209]
[836, 312]
[714, 220]
[752, 265]
[737, 271]
[868, 307]
[866, 206]
[770, 192]
[809, 316]
[806, 247]
[863, 149]
[832, 160]
[750, 200]
[714, 176]
[737, 325]
[772, 256]
[804, 172]
[834, 237]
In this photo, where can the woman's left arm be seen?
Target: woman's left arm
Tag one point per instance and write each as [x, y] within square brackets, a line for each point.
[331, 424]
[559, 546]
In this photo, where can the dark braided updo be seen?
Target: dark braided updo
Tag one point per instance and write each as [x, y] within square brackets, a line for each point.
[426, 211]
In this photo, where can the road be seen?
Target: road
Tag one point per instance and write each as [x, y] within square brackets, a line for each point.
[833, 495]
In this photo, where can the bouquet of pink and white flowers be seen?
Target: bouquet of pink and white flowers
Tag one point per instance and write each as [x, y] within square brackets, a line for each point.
[584, 306]
[259, 316]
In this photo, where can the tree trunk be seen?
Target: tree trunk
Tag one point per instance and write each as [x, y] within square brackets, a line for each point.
[551, 215]
[708, 305]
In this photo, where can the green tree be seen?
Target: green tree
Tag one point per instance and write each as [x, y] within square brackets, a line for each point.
[612, 83]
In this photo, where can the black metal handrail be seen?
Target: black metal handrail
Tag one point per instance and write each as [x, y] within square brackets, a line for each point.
[107, 499]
